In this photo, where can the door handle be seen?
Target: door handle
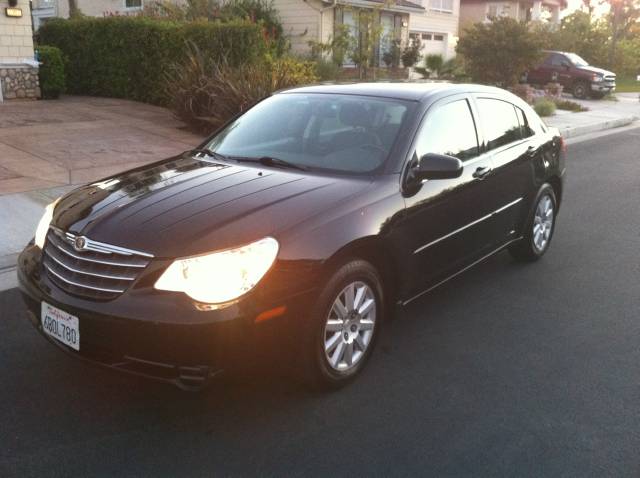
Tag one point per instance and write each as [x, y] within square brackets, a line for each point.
[482, 172]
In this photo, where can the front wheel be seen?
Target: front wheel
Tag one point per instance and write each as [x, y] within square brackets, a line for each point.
[580, 90]
[344, 325]
[539, 228]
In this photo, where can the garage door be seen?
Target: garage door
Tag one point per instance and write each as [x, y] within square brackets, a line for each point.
[432, 43]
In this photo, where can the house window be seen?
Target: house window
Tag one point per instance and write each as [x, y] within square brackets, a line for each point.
[426, 36]
[445, 6]
[132, 3]
[438, 37]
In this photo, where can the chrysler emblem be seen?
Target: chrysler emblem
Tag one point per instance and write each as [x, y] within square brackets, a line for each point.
[79, 243]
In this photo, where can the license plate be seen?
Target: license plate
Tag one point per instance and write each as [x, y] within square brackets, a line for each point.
[60, 325]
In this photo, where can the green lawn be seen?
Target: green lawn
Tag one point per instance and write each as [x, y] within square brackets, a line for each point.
[627, 85]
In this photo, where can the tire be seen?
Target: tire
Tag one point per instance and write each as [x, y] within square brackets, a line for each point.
[325, 367]
[538, 231]
[580, 90]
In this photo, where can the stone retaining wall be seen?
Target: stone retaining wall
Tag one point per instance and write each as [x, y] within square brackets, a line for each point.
[19, 81]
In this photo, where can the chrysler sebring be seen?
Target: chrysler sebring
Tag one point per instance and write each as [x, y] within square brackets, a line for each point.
[310, 218]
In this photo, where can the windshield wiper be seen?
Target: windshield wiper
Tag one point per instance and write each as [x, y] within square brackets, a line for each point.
[209, 152]
[271, 161]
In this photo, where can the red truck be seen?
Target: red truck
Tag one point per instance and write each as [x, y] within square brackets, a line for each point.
[574, 73]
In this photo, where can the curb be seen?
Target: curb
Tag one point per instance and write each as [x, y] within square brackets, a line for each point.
[572, 132]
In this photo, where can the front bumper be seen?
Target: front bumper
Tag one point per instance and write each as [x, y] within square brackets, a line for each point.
[158, 335]
[603, 87]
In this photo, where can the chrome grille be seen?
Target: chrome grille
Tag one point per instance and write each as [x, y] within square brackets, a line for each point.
[91, 269]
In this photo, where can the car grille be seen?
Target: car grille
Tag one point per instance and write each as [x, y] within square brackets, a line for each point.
[91, 269]
[610, 80]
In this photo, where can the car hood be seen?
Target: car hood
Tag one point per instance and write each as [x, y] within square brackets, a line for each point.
[594, 69]
[185, 206]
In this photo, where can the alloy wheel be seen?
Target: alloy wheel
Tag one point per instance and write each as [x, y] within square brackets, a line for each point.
[349, 327]
[543, 223]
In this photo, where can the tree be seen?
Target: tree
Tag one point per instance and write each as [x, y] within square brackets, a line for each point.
[499, 52]
[623, 15]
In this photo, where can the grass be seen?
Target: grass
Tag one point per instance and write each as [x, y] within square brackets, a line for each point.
[627, 85]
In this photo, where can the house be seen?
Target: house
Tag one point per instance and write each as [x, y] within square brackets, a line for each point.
[474, 11]
[433, 22]
[18, 70]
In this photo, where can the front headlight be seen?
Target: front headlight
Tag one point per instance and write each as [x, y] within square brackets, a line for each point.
[45, 222]
[220, 276]
[597, 78]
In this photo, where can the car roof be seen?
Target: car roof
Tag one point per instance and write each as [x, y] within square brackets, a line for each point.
[416, 91]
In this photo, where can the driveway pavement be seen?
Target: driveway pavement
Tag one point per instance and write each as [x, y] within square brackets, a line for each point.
[75, 140]
[509, 370]
[48, 147]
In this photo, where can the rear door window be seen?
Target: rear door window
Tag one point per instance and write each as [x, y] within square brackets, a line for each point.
[500, 122]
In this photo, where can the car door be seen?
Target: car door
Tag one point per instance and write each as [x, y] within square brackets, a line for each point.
[561, 69]
[541, 74]
[445, 224]
[511, 145]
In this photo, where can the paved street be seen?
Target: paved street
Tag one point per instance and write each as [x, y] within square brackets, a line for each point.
[508, 370]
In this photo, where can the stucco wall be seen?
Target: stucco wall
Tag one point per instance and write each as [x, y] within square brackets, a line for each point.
[16, 38]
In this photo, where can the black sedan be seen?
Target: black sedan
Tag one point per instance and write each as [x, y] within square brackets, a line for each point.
[312, 216]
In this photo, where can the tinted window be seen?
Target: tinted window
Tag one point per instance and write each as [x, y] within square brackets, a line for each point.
[501, 125]
[558, 60]
[525, 128]
[340, 133]
[449, 130]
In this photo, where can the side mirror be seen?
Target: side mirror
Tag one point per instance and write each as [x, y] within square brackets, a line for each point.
[566, 65]
[437, 166]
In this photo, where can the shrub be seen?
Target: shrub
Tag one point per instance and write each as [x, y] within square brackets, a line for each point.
[51, 72]
[391, 57]
[524, 91]
[553, 90]
[126, 57]
[454, 69]
[411, 54]
[544, 107]
[326, 70]
[205, 94]
[498, 52]
[434, 63]
[569, 105]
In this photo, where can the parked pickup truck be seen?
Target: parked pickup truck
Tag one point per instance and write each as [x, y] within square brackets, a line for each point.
[575, 74]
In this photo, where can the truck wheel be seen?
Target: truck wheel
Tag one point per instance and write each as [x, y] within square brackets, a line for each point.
[580, 89]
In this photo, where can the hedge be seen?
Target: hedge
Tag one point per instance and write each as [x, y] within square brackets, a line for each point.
[51, 72]
[126, 57]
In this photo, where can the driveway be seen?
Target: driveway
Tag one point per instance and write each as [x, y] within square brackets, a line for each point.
[508, 370]
[74, 140]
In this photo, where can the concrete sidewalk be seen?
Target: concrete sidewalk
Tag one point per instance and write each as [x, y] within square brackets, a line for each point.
[602, 115]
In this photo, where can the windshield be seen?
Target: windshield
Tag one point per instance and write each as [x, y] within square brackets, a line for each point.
[576, 60]
[339, 133]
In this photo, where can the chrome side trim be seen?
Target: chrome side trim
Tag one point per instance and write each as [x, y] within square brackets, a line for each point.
[495, 251]
[467, 226]
[105, 276]
[83, 286]
[95, 246]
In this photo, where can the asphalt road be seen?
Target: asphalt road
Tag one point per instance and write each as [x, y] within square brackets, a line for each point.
[508, 370]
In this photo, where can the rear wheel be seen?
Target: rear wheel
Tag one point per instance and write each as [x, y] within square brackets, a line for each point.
[580, 89]
[343, 328]
[539, 229]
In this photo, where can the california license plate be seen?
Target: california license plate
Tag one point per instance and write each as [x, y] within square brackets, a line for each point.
[60, 325]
